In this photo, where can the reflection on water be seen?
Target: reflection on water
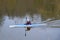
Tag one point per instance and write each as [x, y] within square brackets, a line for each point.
[22, 19]
[7, 33]
[1, 19]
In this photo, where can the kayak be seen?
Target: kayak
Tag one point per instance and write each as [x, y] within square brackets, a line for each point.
[32, 25]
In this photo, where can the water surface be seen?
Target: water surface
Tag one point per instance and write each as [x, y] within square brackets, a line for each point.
[7, 33]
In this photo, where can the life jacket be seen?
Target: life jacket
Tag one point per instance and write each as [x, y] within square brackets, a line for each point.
[28, 23]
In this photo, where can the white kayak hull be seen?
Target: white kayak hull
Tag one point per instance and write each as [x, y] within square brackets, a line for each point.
[32, 25]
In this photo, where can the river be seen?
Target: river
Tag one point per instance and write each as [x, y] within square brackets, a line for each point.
[7, 33]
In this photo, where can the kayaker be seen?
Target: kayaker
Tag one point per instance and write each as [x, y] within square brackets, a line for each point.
[28, 22]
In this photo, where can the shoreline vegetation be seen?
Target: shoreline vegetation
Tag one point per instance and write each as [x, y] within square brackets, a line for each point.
[47, 8]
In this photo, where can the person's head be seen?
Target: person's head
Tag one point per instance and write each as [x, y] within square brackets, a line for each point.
[27, 19]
